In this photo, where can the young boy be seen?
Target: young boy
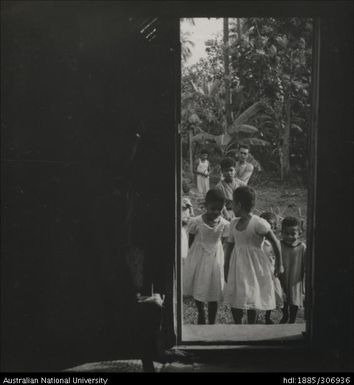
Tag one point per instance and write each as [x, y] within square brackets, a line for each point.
[293, 278]
[228, 185]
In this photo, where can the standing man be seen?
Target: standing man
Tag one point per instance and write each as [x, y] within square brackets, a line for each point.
[243, 168]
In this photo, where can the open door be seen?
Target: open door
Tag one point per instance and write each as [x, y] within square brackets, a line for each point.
[87, 142]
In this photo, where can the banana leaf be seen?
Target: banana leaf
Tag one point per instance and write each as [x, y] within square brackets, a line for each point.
[248, 114]
[220, 140]
[246, 128]
[202, 137]
[254, 142]
[298, 128]
[224, 139]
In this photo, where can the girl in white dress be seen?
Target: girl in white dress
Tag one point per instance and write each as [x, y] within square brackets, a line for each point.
[204, 273]
[202, 170]
[248, 270]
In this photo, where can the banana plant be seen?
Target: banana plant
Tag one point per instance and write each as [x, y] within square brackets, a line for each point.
[227, 142]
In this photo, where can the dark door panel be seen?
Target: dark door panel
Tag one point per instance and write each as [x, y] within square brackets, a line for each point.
[78, 84]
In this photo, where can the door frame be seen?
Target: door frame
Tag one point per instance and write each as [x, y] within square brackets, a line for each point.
[311, 195]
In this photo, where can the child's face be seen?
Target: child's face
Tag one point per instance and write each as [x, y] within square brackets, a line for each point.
[228, 174]
[214, 210]
[204, 156]
[290, 234]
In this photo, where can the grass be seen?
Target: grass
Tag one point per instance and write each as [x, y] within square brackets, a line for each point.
[288, 198]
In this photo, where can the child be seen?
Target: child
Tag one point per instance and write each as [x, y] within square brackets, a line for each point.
[187, 213]
[267, 247]
[293, 251]
[248, 271]
[228, 185]
[204, 277]
[202, 170]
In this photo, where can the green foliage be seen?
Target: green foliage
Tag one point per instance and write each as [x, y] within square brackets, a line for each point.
[270, 79]
[278, 51]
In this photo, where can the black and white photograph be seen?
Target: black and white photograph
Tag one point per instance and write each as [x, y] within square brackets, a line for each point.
[176, 190]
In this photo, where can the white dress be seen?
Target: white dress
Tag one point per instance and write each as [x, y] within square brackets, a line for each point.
[204, 267]
[250, 279]
[203, 181]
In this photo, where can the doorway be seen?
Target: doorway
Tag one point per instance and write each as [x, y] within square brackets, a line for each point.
[246, 96]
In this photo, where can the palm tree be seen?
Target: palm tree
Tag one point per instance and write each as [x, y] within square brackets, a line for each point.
[227, 74]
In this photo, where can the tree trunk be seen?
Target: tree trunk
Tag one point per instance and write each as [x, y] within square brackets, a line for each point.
[190, 153]
[287, 125]
[238, 21]
[286, 139]
[281, 161]
[227, 75]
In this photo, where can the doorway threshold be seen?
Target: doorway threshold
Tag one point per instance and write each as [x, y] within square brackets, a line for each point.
[242, 334]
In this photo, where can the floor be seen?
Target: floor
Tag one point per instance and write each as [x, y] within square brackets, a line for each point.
[131, 366]
[242, 333]
[222, 338]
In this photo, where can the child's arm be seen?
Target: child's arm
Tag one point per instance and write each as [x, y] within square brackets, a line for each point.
[279, 269]
[240, 182]
[228, 250]
[225, 214]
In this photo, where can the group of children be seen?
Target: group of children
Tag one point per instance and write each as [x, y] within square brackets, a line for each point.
[233, 256]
